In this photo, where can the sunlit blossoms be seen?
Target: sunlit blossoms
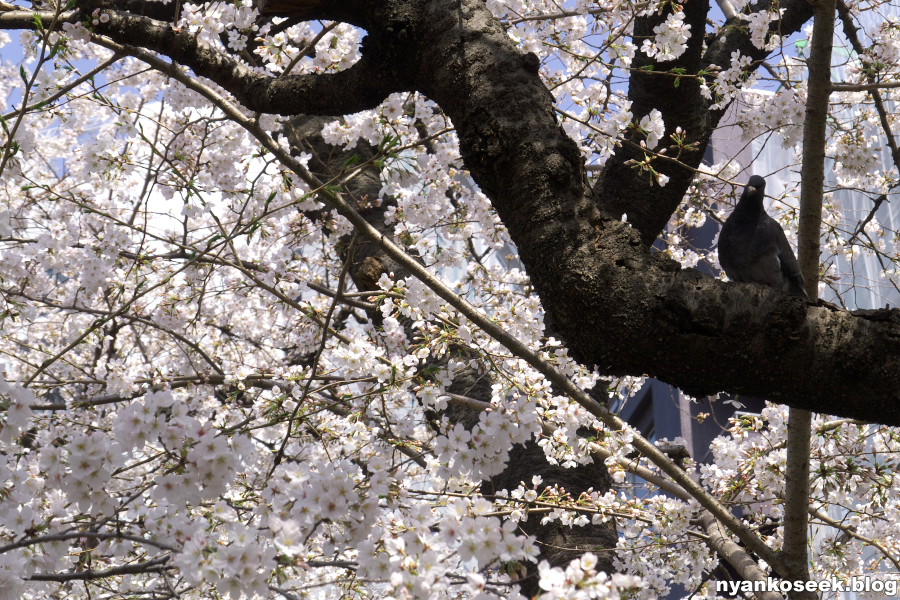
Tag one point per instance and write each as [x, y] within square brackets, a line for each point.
[670, 40]
[580, 580]
[213, 386]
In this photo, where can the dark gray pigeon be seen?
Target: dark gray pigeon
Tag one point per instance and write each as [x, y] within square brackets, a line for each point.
[753, 247]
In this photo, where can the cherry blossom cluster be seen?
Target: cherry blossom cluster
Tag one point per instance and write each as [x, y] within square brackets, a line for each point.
[190, 409]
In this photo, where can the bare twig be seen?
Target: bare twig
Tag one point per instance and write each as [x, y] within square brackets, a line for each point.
[812, 178]
[497, 332]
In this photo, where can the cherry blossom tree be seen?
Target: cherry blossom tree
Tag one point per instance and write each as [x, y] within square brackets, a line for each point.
[327, 298]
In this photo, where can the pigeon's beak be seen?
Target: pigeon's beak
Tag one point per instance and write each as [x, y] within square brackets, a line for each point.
[752, 189]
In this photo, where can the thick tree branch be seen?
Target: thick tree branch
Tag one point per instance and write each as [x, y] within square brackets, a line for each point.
[519, 349]
[615, 305]
[362, 86]
[735, 554]
[623, 188]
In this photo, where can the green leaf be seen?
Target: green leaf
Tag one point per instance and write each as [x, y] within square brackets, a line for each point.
[38, 22]
[56, 48]
[269, 199]
[388, 143]
[252, 229]
[23, 74]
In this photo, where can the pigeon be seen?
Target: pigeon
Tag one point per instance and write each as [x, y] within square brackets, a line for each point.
[753, 247]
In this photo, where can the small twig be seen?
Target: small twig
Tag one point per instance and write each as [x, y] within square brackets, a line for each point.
[308, 48]
[144, 567]
[77, 535]
[342, 279]
[345, 298]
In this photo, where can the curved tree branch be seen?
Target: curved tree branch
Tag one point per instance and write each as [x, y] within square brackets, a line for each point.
[614, 304]
[625, 189]
[362, 86]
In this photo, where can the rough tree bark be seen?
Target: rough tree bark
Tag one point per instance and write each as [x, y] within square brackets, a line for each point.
[616, 304]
